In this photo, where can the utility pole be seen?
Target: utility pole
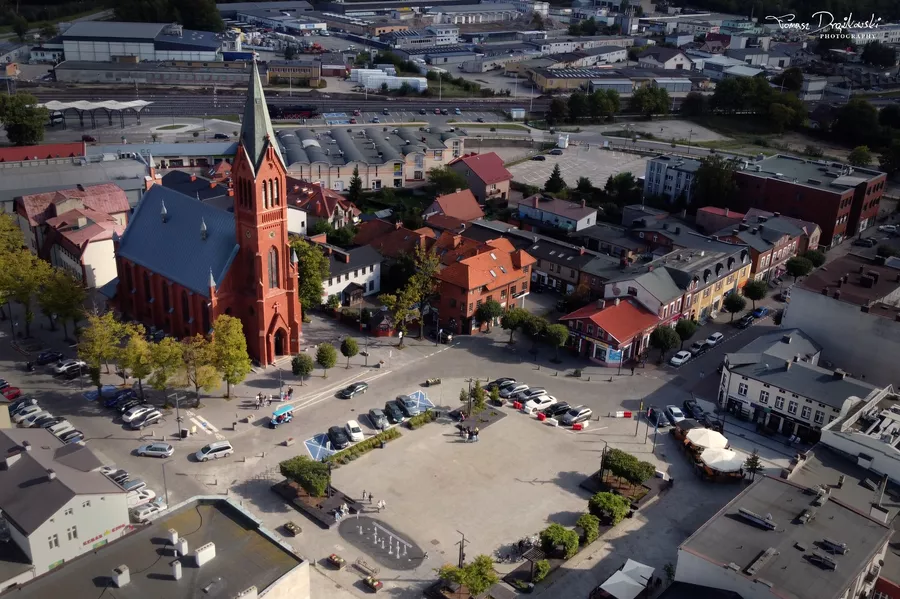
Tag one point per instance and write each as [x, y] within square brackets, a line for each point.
[462, 549]
[177, 414]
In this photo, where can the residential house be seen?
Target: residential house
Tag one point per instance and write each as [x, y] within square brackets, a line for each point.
[485, 175]
[461, 205]
[73, 229]
[710, 219]
[558, 264]
[352, 273]
[611, 240]
[655, 289]
[751, 56]
[671, 177]
[772, 242]
[813, 88]
[670, 59]
[220, 173]
[440, 223]
[55, 505]
[610, 332]
[321, 204]
[493, 274]
[540, 212]
[714, 47]
[392, 240]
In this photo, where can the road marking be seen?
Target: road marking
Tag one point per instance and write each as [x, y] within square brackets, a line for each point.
[200, 425]
[325, 395]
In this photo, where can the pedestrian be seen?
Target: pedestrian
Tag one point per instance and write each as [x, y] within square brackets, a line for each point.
[365, 495]
[290, 392]
[632, 370]
[475, 432]
[425, 556]
[370, 499]
[383, 504]
[378, 506]
[257, 403]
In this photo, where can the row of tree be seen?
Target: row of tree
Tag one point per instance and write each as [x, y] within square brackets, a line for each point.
[604, 104]
[196, 14]
[750, 95]
[858, 123]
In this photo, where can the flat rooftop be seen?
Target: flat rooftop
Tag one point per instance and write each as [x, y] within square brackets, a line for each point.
[238, 68]
[53, 174]
[730, 538]
[820, 174]
[867, 284]
[246, 555]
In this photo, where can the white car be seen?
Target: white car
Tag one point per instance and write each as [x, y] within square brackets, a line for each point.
[135, 413]
[536, 404]
[136, 498]
[674, 414]
[30, 421]
[65, 365]
[353, 431]
[26, 412]
[156, 450]
[143, 513]
[888, 228]
[512, 391]
[680, 358]
[714, 339]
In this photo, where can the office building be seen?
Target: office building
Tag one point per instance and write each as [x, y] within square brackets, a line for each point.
[671, 177]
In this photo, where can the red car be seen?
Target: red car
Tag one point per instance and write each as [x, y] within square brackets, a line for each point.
[11, 393]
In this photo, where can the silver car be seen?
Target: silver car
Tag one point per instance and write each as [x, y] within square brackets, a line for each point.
[576, 415]
[512, 391]
[156, 450]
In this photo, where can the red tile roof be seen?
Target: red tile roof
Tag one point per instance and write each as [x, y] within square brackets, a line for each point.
[442, 222]
[721, 212]
[623, 321]
[487, 167]
[317, 200]
[106, 198]
[453, 248]
[391, 240]
[220, 171]
[98, 226]
[491, 269]
[41, 152]
[461, 205]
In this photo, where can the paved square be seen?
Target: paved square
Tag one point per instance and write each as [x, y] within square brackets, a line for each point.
[580, 161]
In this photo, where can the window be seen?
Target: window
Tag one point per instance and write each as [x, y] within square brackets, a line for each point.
[72, 532]
[764, 397]
[502, 293]
[742, 390]
[167, 304]
[273, 268]
[779, 402]
[820, 416]
[53, 541]
[371, 285]
[68, 511]
[148, 292]
[185, 308]
[792, 407]
[805, 412]
[470, 306]
[512, 290]
[632, 291]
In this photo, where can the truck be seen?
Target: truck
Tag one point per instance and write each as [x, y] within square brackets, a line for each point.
[238, 56]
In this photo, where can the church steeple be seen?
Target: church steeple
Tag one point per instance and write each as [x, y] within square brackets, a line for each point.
[256, 127]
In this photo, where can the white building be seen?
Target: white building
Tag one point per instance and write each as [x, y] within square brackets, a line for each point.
[550, 212]
[884, 33]
[468, 14]
[661, 57]
[352, 274]
[813, 88]
[670, 176]
[110, 41]
[55, 504]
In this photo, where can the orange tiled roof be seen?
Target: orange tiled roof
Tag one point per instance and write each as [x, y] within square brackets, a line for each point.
[106, 198]
[461, 205]
[41, 152]
[720, 212]
[490, 269]
[622, 321]
[317, 200]
[391, 240]
[442, 222]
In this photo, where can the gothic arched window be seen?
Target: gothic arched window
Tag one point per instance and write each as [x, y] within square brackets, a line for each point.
[277, 195]
[265, 195]
[273, 268]
[185, 307]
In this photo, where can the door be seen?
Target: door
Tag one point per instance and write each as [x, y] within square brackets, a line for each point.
[279, 342]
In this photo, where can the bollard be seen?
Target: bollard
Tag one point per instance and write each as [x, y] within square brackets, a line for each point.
[589, 379]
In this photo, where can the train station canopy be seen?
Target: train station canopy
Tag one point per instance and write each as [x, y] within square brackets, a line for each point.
[136, 105]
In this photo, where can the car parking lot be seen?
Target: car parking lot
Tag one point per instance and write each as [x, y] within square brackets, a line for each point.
[403, 116]
[579, 161]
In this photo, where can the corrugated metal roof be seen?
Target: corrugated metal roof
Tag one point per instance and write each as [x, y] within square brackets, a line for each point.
[113, 29]
[174, 249]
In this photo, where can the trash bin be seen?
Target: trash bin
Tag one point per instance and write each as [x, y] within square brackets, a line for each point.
[184, 433]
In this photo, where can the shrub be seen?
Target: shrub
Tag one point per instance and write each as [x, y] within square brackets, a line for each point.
[312, 476]
[590, 525]
[608, 505]
[361, 448]
[577, 373]
[555, 535]
[421, 419]
[541, 569]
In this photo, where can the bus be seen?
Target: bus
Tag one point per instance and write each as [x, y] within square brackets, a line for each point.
[298, 111]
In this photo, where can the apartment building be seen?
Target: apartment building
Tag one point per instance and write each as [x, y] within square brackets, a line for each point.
[710, 219]
[353, 273]
[610, 332]
[772, 241]
[671, 177]
[304, 73]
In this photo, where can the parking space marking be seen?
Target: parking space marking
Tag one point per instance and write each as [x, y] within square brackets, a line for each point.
[319, 447]
[422, 399]
[200, 425]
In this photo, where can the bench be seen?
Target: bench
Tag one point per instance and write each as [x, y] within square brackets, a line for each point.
[364, 567]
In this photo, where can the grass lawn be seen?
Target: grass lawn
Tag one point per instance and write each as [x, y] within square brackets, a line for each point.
[171, 127]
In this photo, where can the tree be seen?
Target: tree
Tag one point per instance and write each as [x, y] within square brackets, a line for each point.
[229, 347]
[584, 185]
[816, 257]
[446, 180]
[198, 14]
[880, 55]
[349, 348]
[558, 111]
[49, 30]
[312, 270]
[536, 328]
[714, 181]
[860, 156]
[578, 106]
[603, 103]
[354, 192]
[477, 576]
[479, 398]
[755, 291]
[10, 234]
[165, 358]
[623, 188]
[63, 296]
[753, 464]
[885, 251]
[610, 506]
[537, 21]
[798, 267]
[197, 367]
[730, 95]
[779, 116]
[23, 118]
[889, 116]
[514, 319]
[290, 51]
[889, 160]
[555, 183]
[650, 100]
[310, 475]
[791, 79]
[557, 535]
[685, 329]
[20, 27]
[26, 275]
[694, 104]
[557, 335]
[856, 122]
[326, 357]
[302, 366]
[734, 303]
[487, 312]
[423, 284]
[664, 338]
[590, 526]
[401, 307]
[137, 358]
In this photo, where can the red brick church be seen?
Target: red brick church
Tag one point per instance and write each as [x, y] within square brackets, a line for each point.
[182, 263]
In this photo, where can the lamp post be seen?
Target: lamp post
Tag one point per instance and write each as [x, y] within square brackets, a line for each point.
[177, 415]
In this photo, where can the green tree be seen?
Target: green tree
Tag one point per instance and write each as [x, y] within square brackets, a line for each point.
[446, 180]
[23, 118]
[791, 79]
[557, 535]
[578, 106]
[610, 506]
[779, 116]
[555, 183]
[650, 100]
[889, 116]
[26, 275]
[326, 357]
[685, 329]
[856, 123]
[753, 464]
[664, 338]
[310, 475]
[603, 103]
[401, 307]
[290, 52]
[354, 193]
[99, 340]
[514, 319]
[349, 348]
[229, 348]
[889, 160]
[49, 30]
[694, 104]
[714, 181]
[302, 366]
[136, 358]
[734, 303]
[885, 251]
[541, 570]
[62, 295]
[198, 366]
[590, 526]
[879, 55]
[730, 95]
[165, 358]
[312, 270]
[487, 312]
[321, 226]
[755, 291]
[198, 14]
[423, 284]
[536, 328]
[798, 267]
[10, 234]
[479, 398]
[557, 335]
[477, 576]
[20, 27]
[816, 257]
[558, 111]
[860, 156]
[623, 188]
[584, 185]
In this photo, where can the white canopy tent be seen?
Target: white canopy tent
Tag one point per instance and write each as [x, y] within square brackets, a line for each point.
[707, 438]
[629, 582]
[722, 460]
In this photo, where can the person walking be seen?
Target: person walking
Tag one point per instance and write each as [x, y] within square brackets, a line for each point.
[475, 434]
[365, 495]
[257, 402]
[370, 499]
[290, 393]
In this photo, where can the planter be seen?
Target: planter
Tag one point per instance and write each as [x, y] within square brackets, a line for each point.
[289, 441]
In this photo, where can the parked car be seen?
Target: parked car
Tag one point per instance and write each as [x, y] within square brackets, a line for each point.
[480, 119]
[48, 357]
[214, 451]
[556, 410]
[353, 389]
[375, 119]
[500, 383]
[445, 111]
[576, 415]
[354, 431]
[423, 111]
[136, 498]
[4, 383]
[136, 413]
[385, 111]
[120, 398]
[531, 393]
[393, 413]
[113, 473]
[156, 450]
[407, 405]
[692, 409]
[536, 404]
[745, 321]
[680, 358]
[377, 419]
[47, 421]
[674, 414]
[25, 412]
[698, 347]
[437, 111]
[143, 513]
[445, 336]
[761, 312]
[511, 391]
[22, 402]
[61, 427]
[73, 436]
[866, 242]
[148, 419]
[28, 421]
[457, 111]
[11, 393]
[657, 418]
[888, 228]
[220, 136]
[338, 437]
[68, 365]
[714, 339]
[711, 422]
[132, 484]
[539, 157]
[88, 138]
[556, 152]
[128, 405]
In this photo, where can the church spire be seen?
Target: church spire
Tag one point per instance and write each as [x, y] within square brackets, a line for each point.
[256, 127]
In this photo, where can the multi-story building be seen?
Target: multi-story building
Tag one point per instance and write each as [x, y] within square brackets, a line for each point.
[485, 175]
[111, 41]
[611, 240]
[469, 14]
[321, 204]
[697, 27]
[813, 88]
[887, 33]
[73, 229]
[304, 73]
[460, 206]
[610, 332]
[710, 219]
[393, 240]
[55, 505]
[772, 241]
[671, 177]
[433, 35]
[843, 200]
[777, 539]
[352, 273]
[540, 212]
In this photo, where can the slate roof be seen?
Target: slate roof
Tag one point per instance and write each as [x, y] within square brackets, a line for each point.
[622, 320]
[21, 153]
[612, 235]
[193, 186]
[558, 207]
[113, 30]
[804, 379]
[360, 257]
[487, 167]
[762, 234]
[777, 345]
[28, 497]
[658, 282]
[174, 249]
[256, 127]
[461, 205]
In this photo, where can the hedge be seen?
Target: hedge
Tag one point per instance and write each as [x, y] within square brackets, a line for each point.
[421, 419]
[609, 505]
[312, 476]
[541, 569]
[555, 535]
[351, 453]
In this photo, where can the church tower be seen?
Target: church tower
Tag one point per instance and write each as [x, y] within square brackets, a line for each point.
[265, 269]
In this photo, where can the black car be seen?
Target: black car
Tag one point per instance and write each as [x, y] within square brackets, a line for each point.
[353, 389]
[692, 409]
[394, 414]
[711, 422]
[745, 322]
[48, 357]
[422, 111]
[658, 418]
[407, 405]
[377, 419]
[445, 337]
[866, 242]
[47, 421]
[127, 405]
[557, 409]
[499, 383]
[72, 436]
[71, 374]
[339, 439]
[220, 136]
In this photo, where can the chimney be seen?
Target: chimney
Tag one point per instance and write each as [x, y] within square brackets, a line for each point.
[11, 459]
[726, 212]
[761, 228]
[51, 474]
[743, 226]
[735, 232]
[212, 184]
[840, 282]
[164, 214]
[837, 294]
[677, 230]
[80, 187]
[205, 554]
[824, 290]
[581, 251]
[787, 365]
[193, 178]
[874, 274]
[121, 576]
[181, 547]
[398, 225]
[862, 269]
[173, 536]
[230, 192]
[26, 445]
[343, 257]
[176, 569]
[796, 357]
[786, 339]
[535, 200]
[684, 213]
[839, 374]
[583, 203]
[601, 304]
[617, 301]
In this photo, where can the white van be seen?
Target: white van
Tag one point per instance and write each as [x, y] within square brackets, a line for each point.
[61, 427]
[214, 451]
